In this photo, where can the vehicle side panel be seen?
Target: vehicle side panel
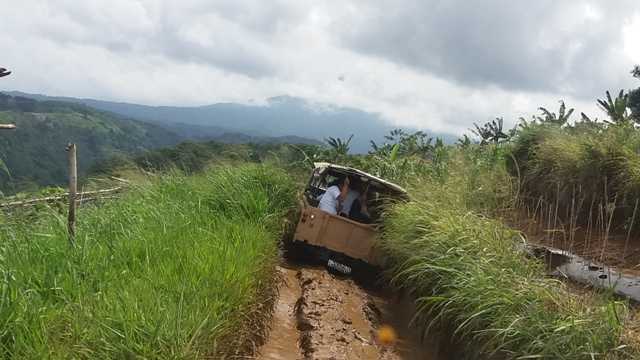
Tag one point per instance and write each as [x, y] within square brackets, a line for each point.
[336, 233]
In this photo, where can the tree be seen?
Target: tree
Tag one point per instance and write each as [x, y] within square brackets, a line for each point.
[491, 131]
[585, 119]
[587, 124]
[25, 104]
[417, 143]
[464, 141]
[339, 147]
[560, 119]
[616, 109]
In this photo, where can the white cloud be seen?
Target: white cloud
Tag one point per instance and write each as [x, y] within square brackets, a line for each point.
[201, 51]
[631, 33]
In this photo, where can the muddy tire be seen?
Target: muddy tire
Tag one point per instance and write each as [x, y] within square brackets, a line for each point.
[302, 253]
[366, 274]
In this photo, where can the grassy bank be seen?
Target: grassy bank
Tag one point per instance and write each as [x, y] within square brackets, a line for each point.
[469, 278]
[170, 271]
[584, 171]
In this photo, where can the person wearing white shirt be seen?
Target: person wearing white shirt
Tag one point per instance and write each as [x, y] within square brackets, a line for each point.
[330, 201]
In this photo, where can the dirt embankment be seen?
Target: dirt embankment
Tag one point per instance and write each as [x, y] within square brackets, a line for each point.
[321, 316]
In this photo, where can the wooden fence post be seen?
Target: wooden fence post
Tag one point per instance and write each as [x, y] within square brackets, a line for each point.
[73, 190]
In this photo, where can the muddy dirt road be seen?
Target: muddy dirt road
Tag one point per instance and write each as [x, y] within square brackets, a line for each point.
[322, 316]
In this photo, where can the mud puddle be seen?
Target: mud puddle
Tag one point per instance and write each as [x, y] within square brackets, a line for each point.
[282, 343]
[322, 316]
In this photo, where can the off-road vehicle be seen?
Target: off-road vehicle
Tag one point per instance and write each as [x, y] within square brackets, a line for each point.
[338, 240]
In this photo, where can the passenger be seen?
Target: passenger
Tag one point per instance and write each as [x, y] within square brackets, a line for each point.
[331, 200]
[359, 209]
[355, 189]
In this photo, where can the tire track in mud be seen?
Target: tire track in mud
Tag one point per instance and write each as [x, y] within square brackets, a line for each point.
[332, 319]
[321, 316]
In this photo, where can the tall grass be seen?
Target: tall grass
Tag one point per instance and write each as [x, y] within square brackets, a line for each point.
[468, 276]
[592, 165]
[170, 271]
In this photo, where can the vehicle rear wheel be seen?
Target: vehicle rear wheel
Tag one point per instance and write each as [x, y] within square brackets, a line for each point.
[300, 252]
[367, 274]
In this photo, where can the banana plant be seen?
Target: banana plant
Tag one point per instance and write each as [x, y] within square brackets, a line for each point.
[560, 119]
[491, 132]
[617, 108]
[410, 144]
[310, 155]
[339, 147]
[464, 141]
[587, 124]
[393, 156]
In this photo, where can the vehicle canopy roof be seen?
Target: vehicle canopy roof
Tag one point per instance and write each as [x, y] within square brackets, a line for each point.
[378, 183]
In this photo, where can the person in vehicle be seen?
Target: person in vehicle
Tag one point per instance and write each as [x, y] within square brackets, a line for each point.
[353, 193]
[331, 200]
[359, 209]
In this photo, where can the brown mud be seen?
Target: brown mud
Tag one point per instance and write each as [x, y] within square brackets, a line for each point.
[282, 342]
[319, 315]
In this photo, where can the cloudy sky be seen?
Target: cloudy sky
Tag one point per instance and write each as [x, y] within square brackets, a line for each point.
[439, 65]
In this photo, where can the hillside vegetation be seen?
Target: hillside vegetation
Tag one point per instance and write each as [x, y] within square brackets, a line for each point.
[581, 169]
[449, 247]
[471, 280]
[191, 157]
[188, 257]
[35, 155]
[173, 270]
[587, 170]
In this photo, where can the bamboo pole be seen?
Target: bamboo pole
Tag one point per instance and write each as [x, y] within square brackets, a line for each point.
[119, 179]
[73, 189]
[80, 197]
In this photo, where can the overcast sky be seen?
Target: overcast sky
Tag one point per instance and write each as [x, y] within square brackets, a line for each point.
[439, 65]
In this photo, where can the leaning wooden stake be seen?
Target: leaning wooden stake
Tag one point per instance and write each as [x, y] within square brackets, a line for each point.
[73, 190]
[626, 241]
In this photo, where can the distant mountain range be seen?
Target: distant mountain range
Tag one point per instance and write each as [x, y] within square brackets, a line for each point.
[280, 116]
[34, 152]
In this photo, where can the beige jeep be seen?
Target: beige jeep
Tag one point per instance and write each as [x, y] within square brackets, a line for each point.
[342, 239]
